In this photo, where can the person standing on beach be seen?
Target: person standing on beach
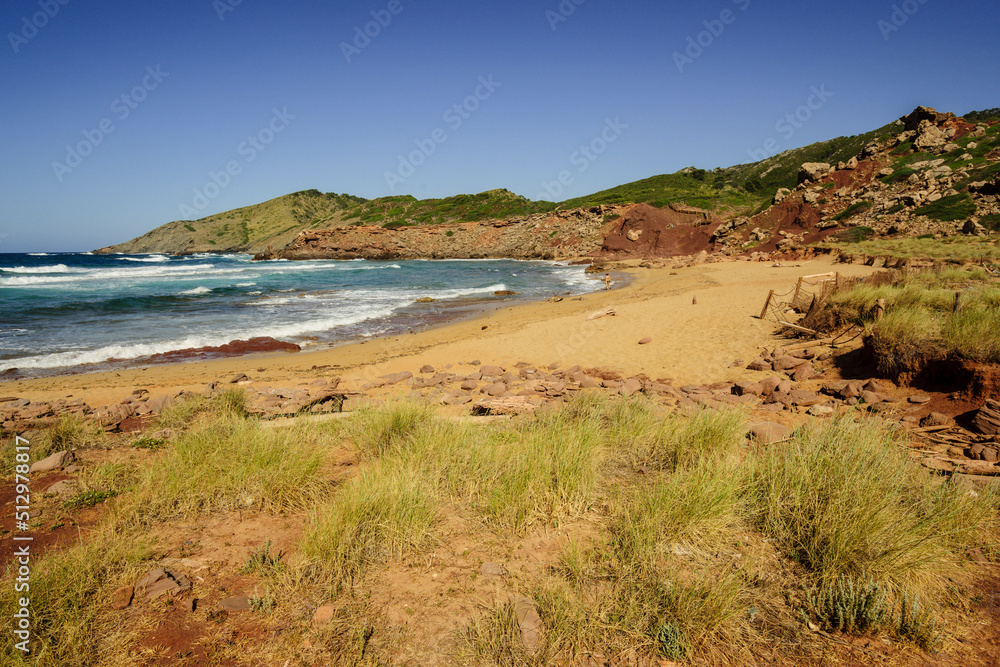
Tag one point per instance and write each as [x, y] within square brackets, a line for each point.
[607, 281]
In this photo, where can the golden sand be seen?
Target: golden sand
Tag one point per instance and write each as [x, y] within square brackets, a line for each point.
[700, 320]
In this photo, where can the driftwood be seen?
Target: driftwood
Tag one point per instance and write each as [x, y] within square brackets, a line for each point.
[514, 405]
[796, 327]
[607, 312]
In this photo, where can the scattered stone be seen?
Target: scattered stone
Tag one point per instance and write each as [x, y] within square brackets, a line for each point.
[425, 299]
[162, 582]
[495, 389]
[804, 398]
[760, 365]
[645, 341]
[241, 377]
[56, 461]
[871, 397]
[878, 386]
[235, 603]
[62, 487]
[768, 432]
[426, 369]
[919, 400]
[935, 419]
[803, 372]
[491, 371]
[745, 388]
[987, 419]
[770, 385]
[122, 597]
[324, 614]
[631, 386]
[491, 570]
[785, 362]
[813, 171]
[190, 605]
[396, 378]
[820, 410]
[530, 625]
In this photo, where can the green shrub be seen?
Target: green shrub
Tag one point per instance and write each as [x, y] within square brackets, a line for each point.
[951, 208]
[855, 607]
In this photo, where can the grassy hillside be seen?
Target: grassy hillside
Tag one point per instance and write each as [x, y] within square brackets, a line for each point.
[408, 210]
[740, 186]
[743, 188]
[248, 229]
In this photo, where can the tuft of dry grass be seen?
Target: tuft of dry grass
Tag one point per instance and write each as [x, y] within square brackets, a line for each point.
[846, 501]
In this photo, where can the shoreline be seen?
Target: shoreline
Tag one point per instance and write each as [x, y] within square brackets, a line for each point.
[690, 342]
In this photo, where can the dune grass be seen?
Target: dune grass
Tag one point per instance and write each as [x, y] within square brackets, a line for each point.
[231, 464]
[845, 499]
[70, 592]
[383, 513]
[921, 319]
[665, 571]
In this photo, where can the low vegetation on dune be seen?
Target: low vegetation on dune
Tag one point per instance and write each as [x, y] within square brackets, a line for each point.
[685, 540]
[858, 242]
[937, 314]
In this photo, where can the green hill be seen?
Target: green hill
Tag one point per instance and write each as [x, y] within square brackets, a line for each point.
[408, 210]
[741, 189]
[743, 186]
[248, 229]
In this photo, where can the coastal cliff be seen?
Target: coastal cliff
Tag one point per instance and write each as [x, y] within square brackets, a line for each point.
[618, 232]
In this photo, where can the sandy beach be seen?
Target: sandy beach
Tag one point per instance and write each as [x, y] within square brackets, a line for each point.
[700, 320]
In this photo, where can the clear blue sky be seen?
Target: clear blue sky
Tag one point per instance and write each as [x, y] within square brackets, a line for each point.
[200, 77]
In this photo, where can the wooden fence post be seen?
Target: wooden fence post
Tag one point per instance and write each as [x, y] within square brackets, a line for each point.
[767, 303]
[798, 286]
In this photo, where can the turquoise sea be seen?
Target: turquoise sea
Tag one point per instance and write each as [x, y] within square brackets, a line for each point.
[75, 312]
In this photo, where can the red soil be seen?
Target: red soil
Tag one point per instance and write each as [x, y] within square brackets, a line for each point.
[667, 232]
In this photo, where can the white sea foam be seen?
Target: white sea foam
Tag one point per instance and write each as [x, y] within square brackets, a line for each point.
[197, 290]
[151, 258]
[136, 350]
[54, 268]
[245, 284]
[125, 273]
